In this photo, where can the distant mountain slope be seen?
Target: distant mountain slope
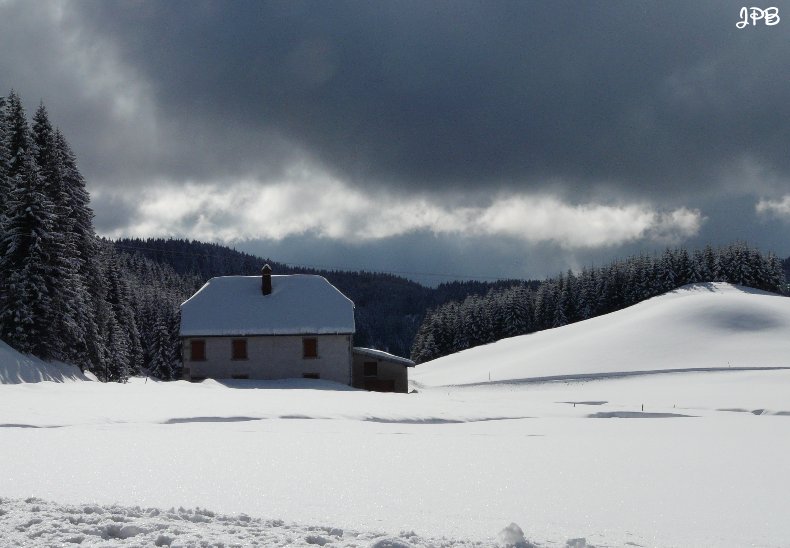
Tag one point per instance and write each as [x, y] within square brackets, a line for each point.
[19, 368]
[708, 325]
[388, 308]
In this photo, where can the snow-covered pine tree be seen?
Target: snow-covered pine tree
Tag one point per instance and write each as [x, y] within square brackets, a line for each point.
[570, 297]
[759, 269]
[424, 347]
[631, 291]
[740, 269]
[775, 275]
[88, 257]
[68, 297]
[683, 269]
[117, 363]
[125, 346]
[28, 242]
[454, 329]
[161, 365]
[559, 296]
[4, 159]
[429, 350]
[494, 310]
[517, 311]
[666, 271]
[5, 184]
[712, 265]
[698, 273]
[606, 289]
[544, 306]
[479, 326]
[587, 296]
[647, 278]
[174, 331]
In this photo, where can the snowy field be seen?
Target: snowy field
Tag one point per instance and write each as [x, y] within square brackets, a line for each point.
[689, 458]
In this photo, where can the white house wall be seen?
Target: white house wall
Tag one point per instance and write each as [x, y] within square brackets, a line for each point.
[272, 357]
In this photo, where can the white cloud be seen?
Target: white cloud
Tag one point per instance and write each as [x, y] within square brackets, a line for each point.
[779, 209]
[323, 206]
[547, 219]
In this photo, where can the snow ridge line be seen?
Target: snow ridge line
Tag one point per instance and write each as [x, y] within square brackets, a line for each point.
[611, 375]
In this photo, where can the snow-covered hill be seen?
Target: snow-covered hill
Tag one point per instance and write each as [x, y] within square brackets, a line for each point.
[18, 368]
[698, 326]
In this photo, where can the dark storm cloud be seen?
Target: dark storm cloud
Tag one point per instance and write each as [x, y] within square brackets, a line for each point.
[651, 97]
[559, 134]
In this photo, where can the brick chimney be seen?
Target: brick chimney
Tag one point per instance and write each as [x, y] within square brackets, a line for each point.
[266, 280]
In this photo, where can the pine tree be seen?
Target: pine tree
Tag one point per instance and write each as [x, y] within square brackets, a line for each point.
[587, 293]
[712, 268]
[683, 268]
[86, 247]
[516, 303]
[429, 350]
[66, 337]
[559, 300]
[667, 272]
[161, 365]
[698, 268]
[26, 245]
[124, 347]
[174, 331]
[775, 275]
[118, 361]
[5, 188]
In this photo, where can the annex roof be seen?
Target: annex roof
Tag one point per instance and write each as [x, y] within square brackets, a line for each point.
[381, 355]
[298, 304]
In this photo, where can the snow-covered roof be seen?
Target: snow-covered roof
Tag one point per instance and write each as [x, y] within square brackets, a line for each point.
[380, 354]
[298, 304]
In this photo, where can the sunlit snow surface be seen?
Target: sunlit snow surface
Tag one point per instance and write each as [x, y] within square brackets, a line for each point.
[21, 368]
[712, 325]
[676, 459]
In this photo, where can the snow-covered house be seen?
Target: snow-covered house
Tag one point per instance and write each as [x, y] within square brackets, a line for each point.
[268, 327]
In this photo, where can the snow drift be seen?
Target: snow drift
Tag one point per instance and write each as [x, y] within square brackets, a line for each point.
[16, 367]
[698, 326]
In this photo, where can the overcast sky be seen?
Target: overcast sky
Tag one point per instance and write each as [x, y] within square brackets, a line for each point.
[490, 138]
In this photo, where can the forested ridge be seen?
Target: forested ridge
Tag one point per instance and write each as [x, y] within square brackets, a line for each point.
[572, 297]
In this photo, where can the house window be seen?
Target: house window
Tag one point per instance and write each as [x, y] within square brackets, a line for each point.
[239, 349]
[370, 369]
[309, 347]
[198, 350]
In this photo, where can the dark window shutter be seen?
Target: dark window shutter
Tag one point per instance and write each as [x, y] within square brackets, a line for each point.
[309, 348]
[239, 349]
[198, 352]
